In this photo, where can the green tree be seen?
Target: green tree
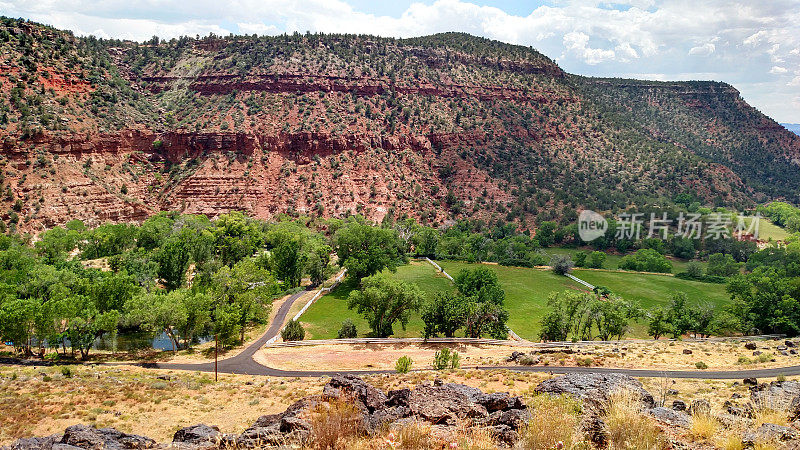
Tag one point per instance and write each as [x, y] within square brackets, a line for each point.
[445, 314]
[487, 319]
[425, 241]
[383, 302]
[646, 260]
[481, 284]
[365, 250]
[173, 261]
[561, 264]
[657, 323]
[246, 289]
[17, 323]
[679, 315]
[236, 236]
[288, 260]
[722, 265]
[545, 234]
[160, 312]
[767, 301]
[595, 260]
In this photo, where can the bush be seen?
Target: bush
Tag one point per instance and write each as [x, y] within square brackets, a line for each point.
[293, 331]
[445, 359]
[694, 269]
[561, 264]
[646, 260]
[701, 365]
[403, 365]
[348, 330]
[595, 260]
[66, 371]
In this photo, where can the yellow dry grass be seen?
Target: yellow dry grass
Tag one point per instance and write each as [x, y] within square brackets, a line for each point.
[629, 428]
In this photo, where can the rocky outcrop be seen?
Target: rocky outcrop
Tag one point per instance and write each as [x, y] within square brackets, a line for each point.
[777, 395]
[441, 405]
[594, 388]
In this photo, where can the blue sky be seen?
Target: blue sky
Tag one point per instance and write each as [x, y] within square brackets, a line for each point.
[754, 45]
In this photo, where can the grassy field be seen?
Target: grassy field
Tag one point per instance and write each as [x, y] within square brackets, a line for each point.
[526, 293]
[324, 318]
[654, 290]
[526, 290]
[768, 230]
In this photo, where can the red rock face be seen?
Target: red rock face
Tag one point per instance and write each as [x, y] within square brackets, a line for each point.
[214, 173]
[334, 125]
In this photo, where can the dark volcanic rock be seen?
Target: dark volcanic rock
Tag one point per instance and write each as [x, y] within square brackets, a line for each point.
[594, 388]
[776, 395]
[38, 443]
[352, 387]
[444, 405]
[750, 381]
[750, 345]
[770, 432]
[198, 434]
[679, 405]
[671, 417]
[86, 437]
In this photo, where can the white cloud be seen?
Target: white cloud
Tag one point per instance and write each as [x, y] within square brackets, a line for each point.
[737, 41]
[577, 44]
[777, 70]
[703, 50]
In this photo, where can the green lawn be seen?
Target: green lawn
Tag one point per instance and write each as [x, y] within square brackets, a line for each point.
[768, 230]
[324, 318]
[654, 290]
[526, 295]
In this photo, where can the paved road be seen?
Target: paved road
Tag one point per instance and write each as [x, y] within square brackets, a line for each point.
[244, 364]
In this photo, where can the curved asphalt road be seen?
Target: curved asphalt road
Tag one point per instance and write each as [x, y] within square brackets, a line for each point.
[244, 364]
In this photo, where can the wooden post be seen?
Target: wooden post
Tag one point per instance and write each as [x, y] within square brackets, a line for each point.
[216, 348]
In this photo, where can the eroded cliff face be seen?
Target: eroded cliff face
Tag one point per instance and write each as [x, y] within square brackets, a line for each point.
[440, 128]
[130, 175]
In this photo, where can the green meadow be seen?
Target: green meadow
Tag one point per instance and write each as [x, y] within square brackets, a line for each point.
[526, 291]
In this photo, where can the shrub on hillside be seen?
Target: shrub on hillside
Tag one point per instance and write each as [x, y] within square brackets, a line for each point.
[403, 364]
[561, 264]
[646, 260]
[348, 330]
[293, 331]
[446, 359]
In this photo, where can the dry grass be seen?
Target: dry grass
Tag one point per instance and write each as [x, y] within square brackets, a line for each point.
[765, 446]
[335, 425]
[704, 426]
[41, 401]
[766, 414]
[729, 441]
[629, 428]
[553, 419]
[412, 436]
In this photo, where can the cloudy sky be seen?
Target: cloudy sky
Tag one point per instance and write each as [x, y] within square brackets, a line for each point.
[752, 44]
